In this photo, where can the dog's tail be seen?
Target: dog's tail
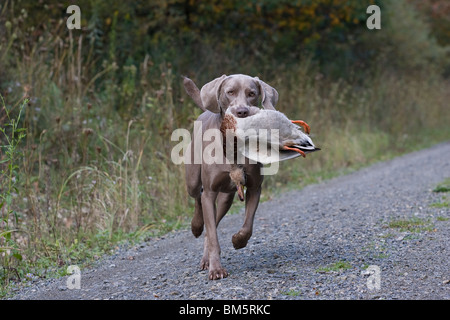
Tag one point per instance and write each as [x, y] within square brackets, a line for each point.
[193, 91]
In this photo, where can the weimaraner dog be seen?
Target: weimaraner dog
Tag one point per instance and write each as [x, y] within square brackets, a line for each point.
[210, 184]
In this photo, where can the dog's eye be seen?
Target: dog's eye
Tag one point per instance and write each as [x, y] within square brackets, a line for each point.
[231, 92]
[251, 94]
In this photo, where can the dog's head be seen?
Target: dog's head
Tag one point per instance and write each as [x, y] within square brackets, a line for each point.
[238, 91]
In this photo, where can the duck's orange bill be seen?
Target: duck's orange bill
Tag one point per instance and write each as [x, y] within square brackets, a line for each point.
[240, 191]
[303, 124]
[294, 149]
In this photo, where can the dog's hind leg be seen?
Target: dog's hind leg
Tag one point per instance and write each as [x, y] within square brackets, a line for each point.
[197, 220]
[194, 188]
[224, 202]
[241, 238]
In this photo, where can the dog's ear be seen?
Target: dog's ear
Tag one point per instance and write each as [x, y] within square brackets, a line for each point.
[269, 96]
[210, 94]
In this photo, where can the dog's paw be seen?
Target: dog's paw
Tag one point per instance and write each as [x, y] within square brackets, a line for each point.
[240, 240]
[204, 264]
[197, 227]
[197, 230]
[216, 274]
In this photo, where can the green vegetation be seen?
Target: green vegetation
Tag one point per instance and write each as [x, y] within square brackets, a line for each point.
[414, 225]
[12, 136]
[443, 186]
[292, 293]
[444, 204]
[87, 115]
[335, 267]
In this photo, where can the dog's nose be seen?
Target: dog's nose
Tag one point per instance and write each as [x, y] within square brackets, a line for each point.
[242, 112]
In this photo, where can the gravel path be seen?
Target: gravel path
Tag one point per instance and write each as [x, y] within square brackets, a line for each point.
[315, 243]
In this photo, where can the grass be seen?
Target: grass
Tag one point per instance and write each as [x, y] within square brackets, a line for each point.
[440, 205]
[414, 225]
[335, 267]
[12, 135]
[292, 293]
[443, 186]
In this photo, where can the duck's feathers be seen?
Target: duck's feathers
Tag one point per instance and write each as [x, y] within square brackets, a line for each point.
[289, 135]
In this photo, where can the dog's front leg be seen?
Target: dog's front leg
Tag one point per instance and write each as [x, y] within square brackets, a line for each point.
[241, 238]
[216, 271]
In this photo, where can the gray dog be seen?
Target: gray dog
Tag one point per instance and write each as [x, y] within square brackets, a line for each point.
[210, 184]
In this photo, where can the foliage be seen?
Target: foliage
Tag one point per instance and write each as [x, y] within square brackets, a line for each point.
[437, 14]
[413, 224]
[268, 31]
[335, 267]
[443, 186]
[10, 152]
